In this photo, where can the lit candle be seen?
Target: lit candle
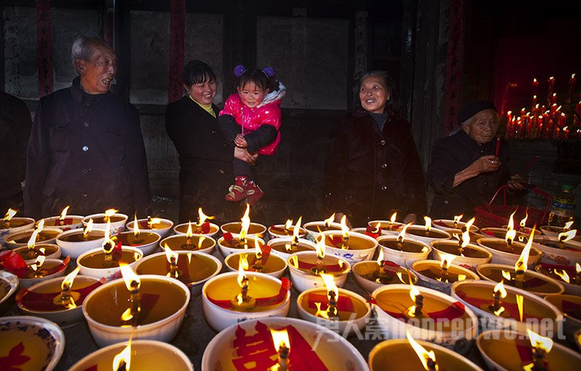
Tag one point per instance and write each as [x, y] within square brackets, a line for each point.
[327, 222]
[568, 225]
[415, 311]
[457, 219]
[572, 82]
[37, 272]
[201, 220]
[541, 347]
[510, 231]
[242, 301]
[523, 222]
[293, 246]
[520, 302]
[551, 88]
[189, 235]
[282, 345]
[345, 231]
[88, 230]
[535, 86]
[520, 267]
[392, 220]
[245, 226]
[446, 262]
[172, 259]
[63, 216]
[578, 273]
[68, 298]
[8, 216]
[108, 246]
[133, 283]
[122, 361]
[428, 359]
[498, 294]
[32, 252]
[332, 295]
[258, 265]
[320, 265]
[428, 225]
[566, 236]
[136, 231]
[401, 237]
[108, 214]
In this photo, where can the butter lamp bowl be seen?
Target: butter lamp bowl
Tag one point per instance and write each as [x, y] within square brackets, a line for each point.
[70, 222]
[8, 286]
[315, 228]
[478, 296]
[233, 246]
[63, 317]
[198, 243]
[279, 231]
[428, 271]
[118, 221]
[92, 263]
[502, 349]
[279, 246]
[449, 225]
[146, 355]
[43, 341]
[163, 228]
[399, 354]
[72, 243]
[408, 252]
[418, 232]
[359, 247]
[49, 251]
[21, 238]
[502, 254]
[472, 255]
[331, 352]
[182, 228]
[200, 268]
[147, 242]
[570, 305]
[456, 333]
[275, 265]
[17, 224]
[48, 264]
[387, 227]
[168, 301]
[224, 288]
[535, 283]
[572, 287]
[498, 232]
[352, 319]
[554, 252]
[302, 276]
[234, 228]
[366, 275]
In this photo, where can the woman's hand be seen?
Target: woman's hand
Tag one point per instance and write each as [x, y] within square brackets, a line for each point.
[484, 164]
[515, 183]
[243, 155]
[240, 141]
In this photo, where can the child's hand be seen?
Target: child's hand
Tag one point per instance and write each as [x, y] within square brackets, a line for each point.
[240, 141]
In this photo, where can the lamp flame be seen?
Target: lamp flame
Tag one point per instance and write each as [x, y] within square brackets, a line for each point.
[132, 281]
[520, 304]
[288, 224]
[428, 223]
[88, 228]
[202, 217]
[320, 248]
[280, 339]
[127, 315]
[170, 254]
[201, 241]
[466, 233]
[401, 235]
[510, 231]
[500, 288]
[189, 232]
[245, 223]
[297, 230]
[34, 235]
[521, 263]
[564, 276]
[242, 268]
[329, 281]
[566, 236]
[122, 361]
[68, 281]
[9, 214]
[540, 342]
[447, 260]
[393, 217]
[568, 225]
[425, 357]
[64, 213]
[380, 258]
[523, 222]
[457, 219]
[414, 291]
[344, 227]
[38, 262]
[329, 220]
[578, 268]
[136, 230]
[109, 213]
[506, 275]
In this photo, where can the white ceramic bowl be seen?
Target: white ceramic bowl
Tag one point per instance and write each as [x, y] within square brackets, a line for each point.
[48, 263]
[497, 232]
[315, 228]
[274, 231]
[183, 229]
[489, 321]
[403, 258]
[349, 322]
[43, 340]
[551, 285]
[146, 355]
[448, 225]
[387, 227]
[111, 273]
[146, 248]
[8, 286]
[275, 265]
[474, 256]
[570, 254]
[158, 264]
[278, 244]
[332, 350]
[363, 271]
[163, 229]
[509, 258]
[567, 304]
[419, 267]
[21, 238]
[226, 249]
[570, 288]
[416, 232]
[255, 229]
[459, 340]
[63, 317]
[52, 251]
[74, 249]
[219, 317]
[352, 255]
[163, 329]
[178, 243]
[118, 221]
[71, 222]
[304, 279]
[505, 343]
[17, 224]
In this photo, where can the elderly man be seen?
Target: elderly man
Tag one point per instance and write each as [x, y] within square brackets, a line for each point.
[465, 170]
[86, 148]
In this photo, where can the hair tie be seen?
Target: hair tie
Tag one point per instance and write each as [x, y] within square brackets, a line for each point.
[269, 72]
[239, 70]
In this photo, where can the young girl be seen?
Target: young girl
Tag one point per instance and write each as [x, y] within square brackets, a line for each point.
[251, 119]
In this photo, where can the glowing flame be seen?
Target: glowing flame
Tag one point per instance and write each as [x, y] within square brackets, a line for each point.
[329, 281]
[202, 217]
[242, 267]
[297, 230]
[189, 232]
[521, 263]
[201, 241]
[568, 225]
[344, 227]
[64, 213]
[88, 228]
[566, 236]
[9, 214]
[136, 230]
[257, 249]
[280, 339]
[466, 233]
[428, 223]
[35, 233]
[38, 262]
[510, 232]
[123, 358]
[523, 222]
[520, 302]
[380, 258]
[109, 213]
[424, 356]
[68, 281]
[400, 276]
[540, 342]
[153, 221]
[447, 260]
[320, 248]
[245, 223]
[170, 254]
[564, 276]
[132, 281]
[288, 224]
[393, 217]
[319, 312]
[578, 268]
[500, 288]
[401, 235]
[329, 221]
[414, 292]
[457, 218]
[506, 275]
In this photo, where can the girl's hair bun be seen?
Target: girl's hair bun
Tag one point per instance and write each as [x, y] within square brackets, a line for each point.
[239, 70]
[269, 72]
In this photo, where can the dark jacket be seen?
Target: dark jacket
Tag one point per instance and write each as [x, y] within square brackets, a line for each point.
[452, 154]
[86, 151]
[15, 124]
[369, 173]
[205, 160]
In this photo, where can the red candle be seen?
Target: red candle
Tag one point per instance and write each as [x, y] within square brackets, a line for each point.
[572, 82]
[554, 98]
[551, 88]
[562, 125]
[535, 86]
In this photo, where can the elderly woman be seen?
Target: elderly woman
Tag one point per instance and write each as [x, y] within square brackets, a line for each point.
[466, 169]
[205, 157]
[373, 167]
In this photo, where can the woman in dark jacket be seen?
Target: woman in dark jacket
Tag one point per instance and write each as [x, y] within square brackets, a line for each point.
[373, 167]
[205, 157]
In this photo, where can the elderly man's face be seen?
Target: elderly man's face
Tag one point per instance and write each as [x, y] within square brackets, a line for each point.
[483, 126]
[98, 73]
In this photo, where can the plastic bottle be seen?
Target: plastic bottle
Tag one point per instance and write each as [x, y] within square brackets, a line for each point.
[562, 206]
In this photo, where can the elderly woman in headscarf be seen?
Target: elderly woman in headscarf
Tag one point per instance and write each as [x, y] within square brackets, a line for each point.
[469, 166]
